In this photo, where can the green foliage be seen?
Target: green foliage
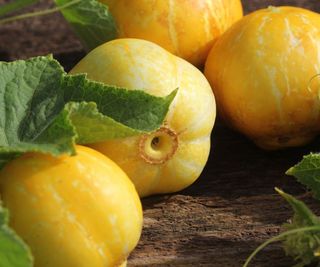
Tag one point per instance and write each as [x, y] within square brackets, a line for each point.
[305, 246]
[301, 238]
[13, 251]
[31, 100]
[43, 109]
[126, 112]
[307, 172]
[301, 246]
[91, 21]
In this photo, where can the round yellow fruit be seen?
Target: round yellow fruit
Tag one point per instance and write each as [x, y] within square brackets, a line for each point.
[186, 28]
[261, 71]
[75, 211]
[173, 157]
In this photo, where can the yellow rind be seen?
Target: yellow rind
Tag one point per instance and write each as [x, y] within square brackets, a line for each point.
[139, 64]
[185, 28]
[72, 211]
[261, 71]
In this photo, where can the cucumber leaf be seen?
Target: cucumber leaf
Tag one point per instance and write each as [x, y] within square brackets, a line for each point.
[302, 246]
[13, 251]
[31, 100]
[92, 126]
[307, 172]
[90, 20]
[126, 112]
[44, 109]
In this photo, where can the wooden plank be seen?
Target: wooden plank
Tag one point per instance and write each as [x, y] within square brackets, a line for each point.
[227, 213]
[230, 210]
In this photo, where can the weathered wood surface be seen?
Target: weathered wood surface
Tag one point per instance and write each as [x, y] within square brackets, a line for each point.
[230, 210]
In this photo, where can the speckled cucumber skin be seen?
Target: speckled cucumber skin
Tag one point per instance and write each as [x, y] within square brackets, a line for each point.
[75, 211]
[186, 28]
[262, 70]
[184, 140]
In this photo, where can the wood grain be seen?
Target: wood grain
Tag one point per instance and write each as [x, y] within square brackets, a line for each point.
[232, 207]
[227, 213]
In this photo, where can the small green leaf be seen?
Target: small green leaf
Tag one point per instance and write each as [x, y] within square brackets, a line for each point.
[13, 251]
[91, 21]
[301, 246]
[301, 238]
[302, 214]
[307, 172]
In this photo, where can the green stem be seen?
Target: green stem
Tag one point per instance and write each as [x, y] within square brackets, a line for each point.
[38, 13]
[15, 6]
[278, 238]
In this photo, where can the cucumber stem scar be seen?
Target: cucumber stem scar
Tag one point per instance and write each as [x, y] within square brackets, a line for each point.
[159, 146]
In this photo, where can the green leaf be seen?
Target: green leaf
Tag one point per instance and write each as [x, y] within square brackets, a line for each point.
[13, 251]
[63, 128]
[301, 238]
[42, 109]
[31, 102]
[91, 21]
[302, 246]
[15, 5]
[303, 216]
[307, 172]
[115, 112]
[92, 126]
